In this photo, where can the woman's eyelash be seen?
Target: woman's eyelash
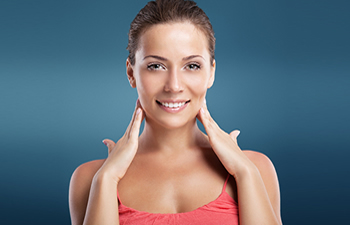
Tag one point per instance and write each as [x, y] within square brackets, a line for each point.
[193, 66]
[154, 66]
[157, 66]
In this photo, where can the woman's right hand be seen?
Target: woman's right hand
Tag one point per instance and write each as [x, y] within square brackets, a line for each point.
[121, 154]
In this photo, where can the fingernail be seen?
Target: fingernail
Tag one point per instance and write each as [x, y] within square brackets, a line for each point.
[205, 101]
[238, 132]
[202, 110]
[104, 142]
[138, 111]
[137, 102]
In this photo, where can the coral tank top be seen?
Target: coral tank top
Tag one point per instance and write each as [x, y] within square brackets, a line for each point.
[221, 211]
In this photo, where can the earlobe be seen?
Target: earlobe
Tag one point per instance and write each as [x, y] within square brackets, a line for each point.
[130, 73]
[212, 74]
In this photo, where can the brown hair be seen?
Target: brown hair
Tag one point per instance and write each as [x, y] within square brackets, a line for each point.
[165, 11]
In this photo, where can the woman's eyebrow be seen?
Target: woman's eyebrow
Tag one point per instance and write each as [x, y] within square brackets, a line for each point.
[191, 57]
[165, 59]
[156, 56]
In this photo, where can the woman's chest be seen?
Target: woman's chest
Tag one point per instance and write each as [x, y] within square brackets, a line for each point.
[181, 184]
[159, 192]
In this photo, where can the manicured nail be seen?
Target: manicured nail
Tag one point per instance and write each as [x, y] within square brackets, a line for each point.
[238, 132]
[205, 101]
[104, 142]
[202, 110]
[138, 111]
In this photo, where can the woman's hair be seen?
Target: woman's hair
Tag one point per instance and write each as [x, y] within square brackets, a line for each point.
[167, 11]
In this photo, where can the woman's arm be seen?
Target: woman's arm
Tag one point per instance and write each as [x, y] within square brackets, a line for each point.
[102, 207]
[257, 183]
[92, 197]
[258, 192]
[93, 189]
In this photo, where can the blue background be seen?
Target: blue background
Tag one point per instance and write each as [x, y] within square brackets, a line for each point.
[282, 78]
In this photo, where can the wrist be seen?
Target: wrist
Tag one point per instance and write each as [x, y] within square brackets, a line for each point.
[104, 176]
[249, 170]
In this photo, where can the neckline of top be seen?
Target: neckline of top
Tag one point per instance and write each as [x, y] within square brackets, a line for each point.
[223, 192]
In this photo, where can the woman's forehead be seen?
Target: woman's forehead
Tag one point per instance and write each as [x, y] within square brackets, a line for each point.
[173, 39]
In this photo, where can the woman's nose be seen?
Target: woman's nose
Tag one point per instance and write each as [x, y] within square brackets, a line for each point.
[173, 83]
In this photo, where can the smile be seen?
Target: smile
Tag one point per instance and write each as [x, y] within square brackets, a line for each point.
[172, 106]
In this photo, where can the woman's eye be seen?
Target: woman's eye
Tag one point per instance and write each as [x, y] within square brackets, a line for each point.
[193, 66]
[155, 67]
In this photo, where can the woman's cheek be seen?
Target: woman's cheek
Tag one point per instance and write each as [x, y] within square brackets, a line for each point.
[200, 93]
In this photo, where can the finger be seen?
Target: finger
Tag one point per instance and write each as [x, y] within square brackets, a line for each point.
[135, 129]
[109, 143]
[208, 122]
[234, 134]
[138, 105]
[200, 115]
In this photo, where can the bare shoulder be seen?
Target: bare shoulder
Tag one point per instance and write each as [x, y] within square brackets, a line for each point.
[79, 189]
[261, 161]
[265, 166]
[269, 176]
[88, 168]
[84, 174]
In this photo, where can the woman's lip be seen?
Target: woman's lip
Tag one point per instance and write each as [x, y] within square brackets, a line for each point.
[173, 101]
[173, 109]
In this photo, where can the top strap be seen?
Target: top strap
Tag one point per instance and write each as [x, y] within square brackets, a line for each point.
[224, 188]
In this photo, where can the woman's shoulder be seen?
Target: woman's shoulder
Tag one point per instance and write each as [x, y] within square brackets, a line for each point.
[80, 183]
[264, 165]
[88, 169]
[83, 174]
[259, 159]
[79, 187]
[267, 172]
[269, 176]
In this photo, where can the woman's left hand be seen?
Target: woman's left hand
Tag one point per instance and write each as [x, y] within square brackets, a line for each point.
[225, 145]
[258, 195]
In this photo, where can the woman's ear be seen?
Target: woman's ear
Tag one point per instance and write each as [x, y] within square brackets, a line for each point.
[212, 74]
[130, 73]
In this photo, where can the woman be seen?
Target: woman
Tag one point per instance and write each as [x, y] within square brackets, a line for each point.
[173, 173]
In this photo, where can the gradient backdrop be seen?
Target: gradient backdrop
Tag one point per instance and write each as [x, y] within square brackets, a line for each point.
[282, 78]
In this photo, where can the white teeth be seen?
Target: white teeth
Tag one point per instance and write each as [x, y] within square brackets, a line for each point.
[173, 105]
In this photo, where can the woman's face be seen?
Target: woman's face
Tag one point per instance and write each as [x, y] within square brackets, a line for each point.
[172, 73]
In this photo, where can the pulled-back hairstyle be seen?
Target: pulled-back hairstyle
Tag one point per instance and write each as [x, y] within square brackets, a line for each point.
[167, 11]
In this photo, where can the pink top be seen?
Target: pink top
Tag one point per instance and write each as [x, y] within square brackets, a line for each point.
[221, 211]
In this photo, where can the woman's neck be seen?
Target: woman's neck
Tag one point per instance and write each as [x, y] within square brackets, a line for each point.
[159, 138]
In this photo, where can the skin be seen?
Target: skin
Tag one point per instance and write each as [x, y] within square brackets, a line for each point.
[172, 166]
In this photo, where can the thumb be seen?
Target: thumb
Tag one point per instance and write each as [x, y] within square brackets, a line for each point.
[109, 143]
[234, 134]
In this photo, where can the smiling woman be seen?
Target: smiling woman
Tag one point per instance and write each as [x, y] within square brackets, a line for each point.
[173, 173]
[171, 69]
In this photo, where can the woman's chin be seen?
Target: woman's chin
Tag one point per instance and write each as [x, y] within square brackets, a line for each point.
[171, 123]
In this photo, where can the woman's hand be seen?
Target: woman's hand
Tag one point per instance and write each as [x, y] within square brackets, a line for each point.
[121, 154]
[225, 145]
[257, 183]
